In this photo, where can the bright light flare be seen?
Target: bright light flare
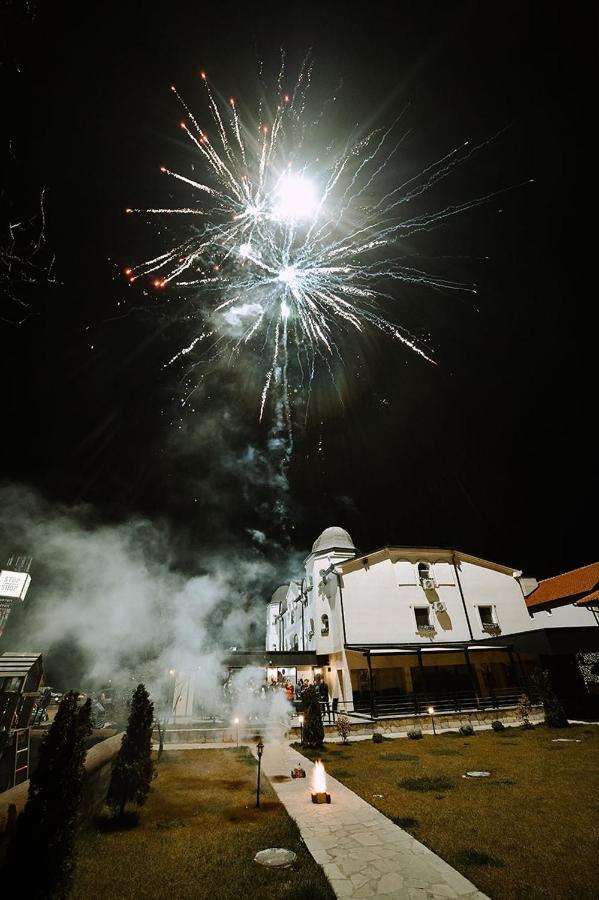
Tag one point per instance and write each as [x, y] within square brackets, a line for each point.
[319, 778]
[296, 198]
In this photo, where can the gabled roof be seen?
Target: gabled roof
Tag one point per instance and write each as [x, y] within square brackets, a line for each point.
[567, 587]
[588, 599]
[430, 554]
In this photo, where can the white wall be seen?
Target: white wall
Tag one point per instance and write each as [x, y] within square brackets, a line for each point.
[379, 601]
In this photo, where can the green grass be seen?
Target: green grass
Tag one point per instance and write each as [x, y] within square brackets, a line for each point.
[471, 857]
[406, 822]
[537, 815]
[427, 783]
[197, 837]
[397, 757]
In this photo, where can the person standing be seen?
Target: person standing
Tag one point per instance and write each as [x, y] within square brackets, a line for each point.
[323, 694]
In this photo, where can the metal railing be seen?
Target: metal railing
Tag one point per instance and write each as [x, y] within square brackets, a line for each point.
[418, 704]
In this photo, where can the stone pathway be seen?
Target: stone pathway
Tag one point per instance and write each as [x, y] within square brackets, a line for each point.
[362, 852]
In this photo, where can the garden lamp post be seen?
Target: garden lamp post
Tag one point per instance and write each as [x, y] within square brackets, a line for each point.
[260, 749]
[431, 712]
[301, 721]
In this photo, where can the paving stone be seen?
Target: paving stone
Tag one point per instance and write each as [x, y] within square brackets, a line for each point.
[350, 866]
[342, 887]
[443, 890]
[367, 839]
[390, 883]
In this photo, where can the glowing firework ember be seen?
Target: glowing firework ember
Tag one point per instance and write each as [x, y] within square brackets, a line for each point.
[296, 244]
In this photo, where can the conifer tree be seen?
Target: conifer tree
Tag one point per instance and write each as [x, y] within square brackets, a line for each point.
[133, 769]
[555, 716]
[313, 730]
[46, 829]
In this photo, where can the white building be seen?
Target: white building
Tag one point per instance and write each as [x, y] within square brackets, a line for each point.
[402, 627]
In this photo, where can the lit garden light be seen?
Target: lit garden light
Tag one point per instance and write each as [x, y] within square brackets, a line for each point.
[301, 724]
[236, 723]
[260, 749]
[431, 712]
[319, 784]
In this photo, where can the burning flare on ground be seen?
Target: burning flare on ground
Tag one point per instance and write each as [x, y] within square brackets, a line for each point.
[319, 784]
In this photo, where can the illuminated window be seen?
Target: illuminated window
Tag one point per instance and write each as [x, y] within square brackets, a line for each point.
[324, 625]
[426, 576]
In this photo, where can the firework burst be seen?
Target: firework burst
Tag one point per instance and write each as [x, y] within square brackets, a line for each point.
[290, 244]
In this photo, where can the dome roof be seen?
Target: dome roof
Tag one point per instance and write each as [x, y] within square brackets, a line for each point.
[280, 594]
[333, 538]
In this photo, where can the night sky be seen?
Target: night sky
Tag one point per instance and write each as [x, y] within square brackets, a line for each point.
[490, 451]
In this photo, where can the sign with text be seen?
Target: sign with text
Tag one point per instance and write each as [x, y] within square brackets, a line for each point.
[14, 585]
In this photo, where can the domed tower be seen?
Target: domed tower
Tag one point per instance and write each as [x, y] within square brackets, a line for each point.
[273, 608]
[333, 546]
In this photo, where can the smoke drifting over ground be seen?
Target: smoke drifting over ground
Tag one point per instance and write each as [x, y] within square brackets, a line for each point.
[107, 602]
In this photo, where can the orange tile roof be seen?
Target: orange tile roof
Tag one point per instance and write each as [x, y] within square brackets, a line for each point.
[562, 587]
[590, 598]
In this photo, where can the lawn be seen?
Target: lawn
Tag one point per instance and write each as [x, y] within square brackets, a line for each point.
[530, 830]
[197, 837]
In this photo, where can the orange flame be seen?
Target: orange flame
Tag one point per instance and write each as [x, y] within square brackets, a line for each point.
[319, 778]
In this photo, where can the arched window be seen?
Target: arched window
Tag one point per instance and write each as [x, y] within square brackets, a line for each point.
[324, 625]
[295, 642]
[311, 631]
[425, 575]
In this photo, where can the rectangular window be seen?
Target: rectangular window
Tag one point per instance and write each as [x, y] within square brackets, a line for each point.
[423, 617]
[487, 616]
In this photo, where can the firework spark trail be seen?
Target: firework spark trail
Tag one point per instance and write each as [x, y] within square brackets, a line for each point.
[294, 246]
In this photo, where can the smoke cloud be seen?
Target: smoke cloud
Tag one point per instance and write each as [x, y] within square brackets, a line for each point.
[107, 601]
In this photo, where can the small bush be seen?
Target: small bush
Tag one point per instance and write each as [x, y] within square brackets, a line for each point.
[377, 737]
[415, 734]
[497, 725]
[471, 857]
[343, 728]
[404, 821]
[466, 730]
[427, 783]
[524, 711]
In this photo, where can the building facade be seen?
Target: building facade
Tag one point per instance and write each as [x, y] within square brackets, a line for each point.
[403, 628]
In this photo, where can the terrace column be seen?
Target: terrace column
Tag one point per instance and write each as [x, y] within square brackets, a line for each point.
[471, 675]
[516, 673]
[372, 707]
[422, 675]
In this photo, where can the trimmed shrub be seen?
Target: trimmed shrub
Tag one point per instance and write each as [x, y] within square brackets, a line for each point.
[377, 737]
[497, 725]
[48, 824]
[313, 730]
[555, 717]
[415, 734]
[133, 769]
[466, 730]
